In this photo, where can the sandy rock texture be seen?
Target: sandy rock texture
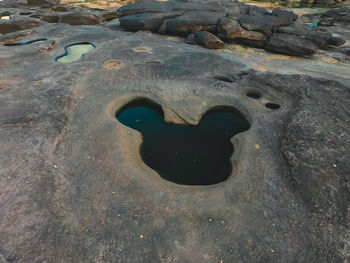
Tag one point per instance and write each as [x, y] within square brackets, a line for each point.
[73, 187]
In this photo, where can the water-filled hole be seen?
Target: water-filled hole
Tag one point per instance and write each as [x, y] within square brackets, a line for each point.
[185, 154]
[253, 94]
[21, 43]
[272, 106]
[75, 51]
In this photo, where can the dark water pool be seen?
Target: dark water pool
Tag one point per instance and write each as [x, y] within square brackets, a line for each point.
[185, 154]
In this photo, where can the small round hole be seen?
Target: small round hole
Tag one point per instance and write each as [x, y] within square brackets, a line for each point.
[253, 94]
[272, 106]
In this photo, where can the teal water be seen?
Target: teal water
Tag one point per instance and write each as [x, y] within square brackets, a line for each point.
[185, 154]
[74, 52]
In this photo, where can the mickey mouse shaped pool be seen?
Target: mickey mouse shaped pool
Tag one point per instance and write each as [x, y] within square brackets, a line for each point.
[185, 154]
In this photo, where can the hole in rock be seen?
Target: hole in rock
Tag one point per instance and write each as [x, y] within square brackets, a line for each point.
[185, 154]
[75, 51]
[25, 42]
[254, 94]
[272, 106]
[224, 78]
[25, 13]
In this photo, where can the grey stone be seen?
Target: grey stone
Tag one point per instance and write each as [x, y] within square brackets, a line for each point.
[231, 30]
[208, 40]
[190, 22]
[320, 38]
[75, 18]
[17, 24]
[290, 45]
[263, 24]
[146, 21]
[190, 39]
[284, 17]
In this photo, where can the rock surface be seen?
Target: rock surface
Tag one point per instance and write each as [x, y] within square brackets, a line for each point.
[74, 189]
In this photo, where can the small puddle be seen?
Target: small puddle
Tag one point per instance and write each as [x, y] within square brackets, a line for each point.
[185, 154]
[25, 42]
[74, 52]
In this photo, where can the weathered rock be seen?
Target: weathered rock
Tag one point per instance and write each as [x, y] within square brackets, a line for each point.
[284, 17]
[256, 11]
[42, 3]
[144, 7]
[60, 8]
[190, 22]
[49, 17]
[319, 38]
[290, 45]
[164, 7]
[337, 15]
[327, 22]
[335, 41]
[17, 23]
[231, 30]
[146, 21]
[190, 39]
[109, 15]
[263, 24]
[237, 22]
[208, 40]
[75, 18]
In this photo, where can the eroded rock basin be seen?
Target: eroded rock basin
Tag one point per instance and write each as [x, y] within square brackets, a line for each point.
[185, 154]
[74, 52]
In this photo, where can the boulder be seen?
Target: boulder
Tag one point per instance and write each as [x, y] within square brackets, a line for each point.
[335, 41]
[50, 17]
[17, 24]
[75, 18]
[231, 30]
[109, 15]
[256, 11]
[290, 45]
[283, 17]
[319, 38]
[263, 23]
[164, 7]
[190, 39]
[144, 7]
[42, 3]
[208, 40]
[192, 21]
[338, 15]
[146, 21]
[60, 8]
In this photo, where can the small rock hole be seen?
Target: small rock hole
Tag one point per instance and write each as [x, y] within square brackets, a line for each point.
[25, 13]
[254, 94]
[224, 78]
[272, 106]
